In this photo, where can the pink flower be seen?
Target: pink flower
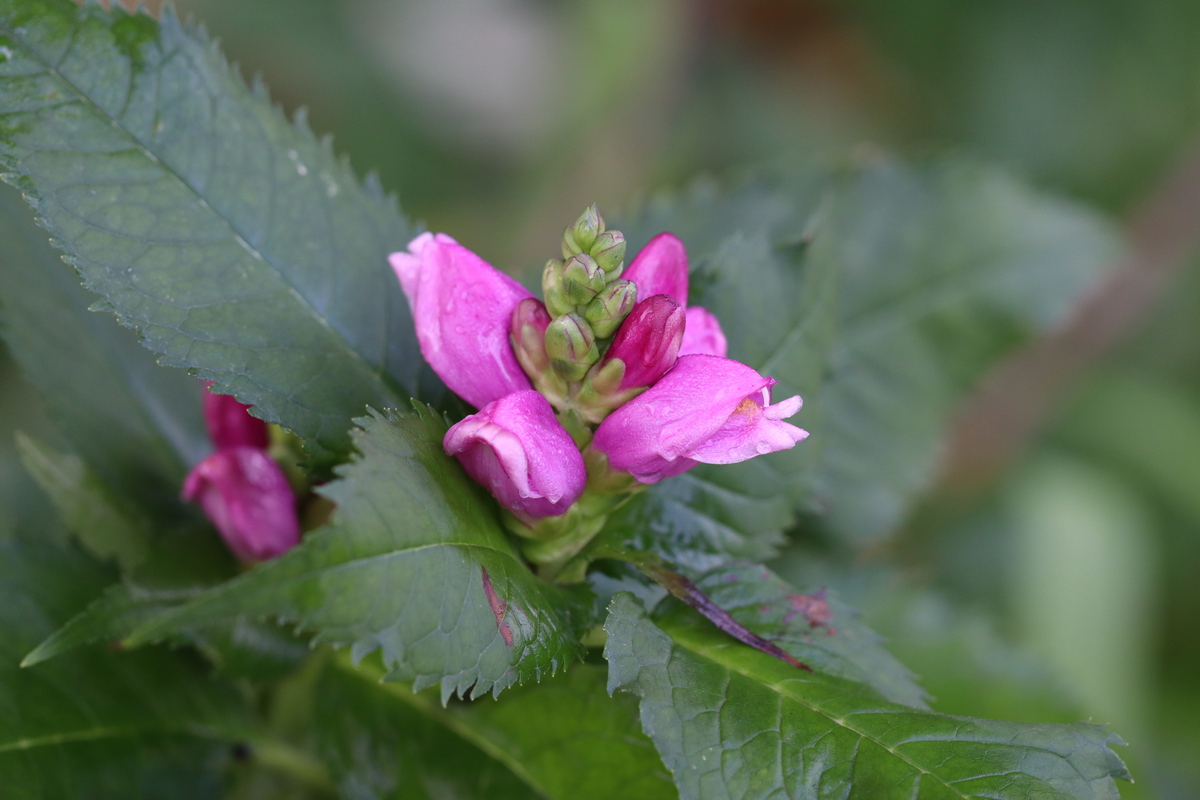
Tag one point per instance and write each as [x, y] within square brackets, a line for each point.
[245, 494]
[662, 268]
[648, 341]
[230, 424]
[703, 334]
[462, 309]
[707, 410]
[518, 451]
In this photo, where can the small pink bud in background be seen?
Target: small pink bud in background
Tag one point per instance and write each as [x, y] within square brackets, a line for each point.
[703, 334]
[705, 410]
[230, 424]
[648, 341]
[518, 451]
[661, 268]
[247, 497]
[528, 332]
[462, 309]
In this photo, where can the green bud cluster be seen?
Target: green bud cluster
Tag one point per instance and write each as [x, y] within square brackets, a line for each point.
[585, 296]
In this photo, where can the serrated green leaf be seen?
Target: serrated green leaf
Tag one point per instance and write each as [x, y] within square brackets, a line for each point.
[879, 294]
[236, 243]
[800, 734]
[136, 424]
[103, 724]
[414, 564]
[104, 526]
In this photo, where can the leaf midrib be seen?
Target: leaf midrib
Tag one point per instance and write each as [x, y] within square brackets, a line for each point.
[688, 638]
[377, 372]
[93, 734]
[170, 620]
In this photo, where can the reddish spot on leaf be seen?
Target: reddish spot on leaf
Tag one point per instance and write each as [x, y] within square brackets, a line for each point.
[498, 608]
[814, 607]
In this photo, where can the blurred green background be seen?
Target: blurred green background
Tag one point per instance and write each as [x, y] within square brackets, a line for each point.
[1053, 574]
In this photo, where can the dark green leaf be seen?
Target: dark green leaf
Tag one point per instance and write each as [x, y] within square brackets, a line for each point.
[138, 427]
[731, 722]
[102, 724]
[564, 738]
[879, 294]
[136, 424]
[570, 738]
[813, 735]
[416, 565]
[236, 243]
[378, 745]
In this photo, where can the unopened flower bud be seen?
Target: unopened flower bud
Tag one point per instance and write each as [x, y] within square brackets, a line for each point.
[571, 345]
[582, 279]
[648, 340]
[553, 289]
[645, 348]
[579, 237]
[609, 309]
[247, 497]
[519, 452]
[230, 424]
[528, 334]
[609, 252]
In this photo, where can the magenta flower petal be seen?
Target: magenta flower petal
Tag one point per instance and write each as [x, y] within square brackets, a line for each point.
[246, 496]
[462, 309]
[648, 340]
[705, 410]
[703, 334]
[661, 268]
[516, 448]
[230, 424]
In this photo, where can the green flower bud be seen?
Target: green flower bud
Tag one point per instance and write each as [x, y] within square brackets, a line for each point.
[582, 279]
[553, 289]
[585, 230]
[609, 308]
[609, 252]
[571, 345]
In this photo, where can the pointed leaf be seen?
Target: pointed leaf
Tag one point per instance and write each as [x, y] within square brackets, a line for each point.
[236, 242]
[416, 565]
[107, 528]
[731, 722]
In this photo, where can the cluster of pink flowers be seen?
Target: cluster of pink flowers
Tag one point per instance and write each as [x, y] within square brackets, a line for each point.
[241, 488]
[617, 348]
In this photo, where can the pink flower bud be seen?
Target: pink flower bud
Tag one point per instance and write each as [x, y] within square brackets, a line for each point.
[705, 410]
[462, 308]
[230, 424]
[648, 341]
[528, 333]
[703, 334]
[246, 496]
[661, 268]
[518, 451]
